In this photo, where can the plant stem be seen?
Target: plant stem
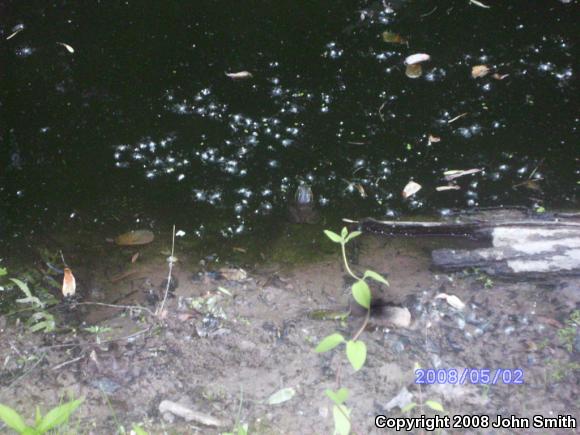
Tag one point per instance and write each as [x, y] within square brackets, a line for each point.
[343, 246]
[159, 311]
[363, 326]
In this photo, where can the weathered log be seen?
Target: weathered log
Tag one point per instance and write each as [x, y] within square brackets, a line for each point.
[514, 241]
[518, 249]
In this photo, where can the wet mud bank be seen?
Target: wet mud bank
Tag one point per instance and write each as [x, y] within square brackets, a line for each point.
[231, 336]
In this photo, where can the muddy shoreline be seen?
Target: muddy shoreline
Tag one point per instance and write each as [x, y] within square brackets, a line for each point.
[225, 344]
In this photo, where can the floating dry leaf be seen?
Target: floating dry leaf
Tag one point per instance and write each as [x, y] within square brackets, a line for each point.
[480, 4]
[361, 190]
[417, 58]
[68, 47]
[452, 300]
[456, 173]
[69, 284]
[433, 139]
[132, 238]
[393, 38]
[414, 71]
[134, 257]
[410, 189]
[241, 75]
[532, 184]
[479, 71]
[448, 187]
[500, 76]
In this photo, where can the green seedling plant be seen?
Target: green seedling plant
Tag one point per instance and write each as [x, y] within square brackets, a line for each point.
[356, 350]
[97, 330]
[41, 320]
[434, 405]
[42, 424]
[567, 335]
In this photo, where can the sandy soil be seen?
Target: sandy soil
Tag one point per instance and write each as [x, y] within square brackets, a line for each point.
[225, 355]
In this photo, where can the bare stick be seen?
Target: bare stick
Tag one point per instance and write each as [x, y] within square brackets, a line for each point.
[456, 118]
[129, 307]
[66, 363]
[160, 309]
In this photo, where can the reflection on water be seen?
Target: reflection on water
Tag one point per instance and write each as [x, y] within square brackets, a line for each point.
[142, 120]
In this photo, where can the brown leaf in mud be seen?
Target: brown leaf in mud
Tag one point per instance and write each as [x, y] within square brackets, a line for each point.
[500, 76]
[134, 257]
[414, 71]
[452, 300]
[132, 238]
[393, 38]
[239, 249]
[241, 75]
[479, 71]
[69, 284]
[233, 274]
[410, 189]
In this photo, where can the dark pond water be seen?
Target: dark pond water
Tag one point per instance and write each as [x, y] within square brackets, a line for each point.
[141, 122]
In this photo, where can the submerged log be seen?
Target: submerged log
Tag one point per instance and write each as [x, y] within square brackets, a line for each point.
[512, 244]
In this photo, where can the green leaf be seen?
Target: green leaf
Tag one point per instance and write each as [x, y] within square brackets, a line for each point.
[12, 419]
[329, 343]
[138, 430]
[333, 236]
[57, 416]
[408, 407]
[362, 293]
[356, 352]
[338, 397]
[435, 406]
[374, 275]
[343, 233]
[3, 271]
[22, 286]
[353, 235]
[37, 416]
[341, 422]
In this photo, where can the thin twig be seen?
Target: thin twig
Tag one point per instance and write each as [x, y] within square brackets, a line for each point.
[129, 307]
[381, 110]
[66, 363]
[27, 371]
[160, 309]
[429, 13]
[456, 118]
